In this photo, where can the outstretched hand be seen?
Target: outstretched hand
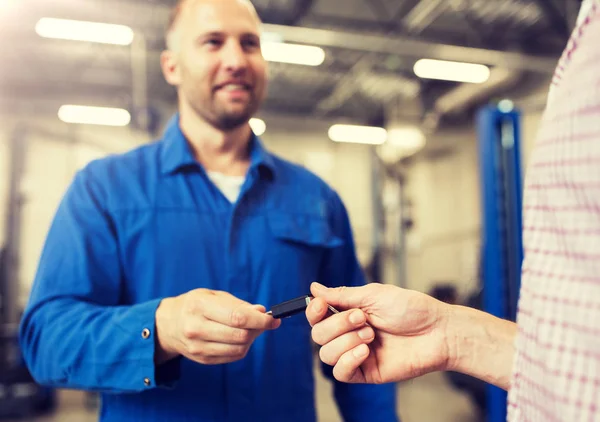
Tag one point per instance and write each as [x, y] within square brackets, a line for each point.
[383, 334]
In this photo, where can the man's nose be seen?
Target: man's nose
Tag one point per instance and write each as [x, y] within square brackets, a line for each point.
[234, 57]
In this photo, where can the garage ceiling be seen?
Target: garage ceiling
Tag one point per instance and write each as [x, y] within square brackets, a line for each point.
[369, 60]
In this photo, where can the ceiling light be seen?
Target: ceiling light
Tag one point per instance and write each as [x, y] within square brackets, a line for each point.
[66, 29]
[402, 142]
[293, 53]
[358, 134]
[451, 71]
[94, 115]
[258, 126]
[406, 138]
[506, 106]
[270, 37]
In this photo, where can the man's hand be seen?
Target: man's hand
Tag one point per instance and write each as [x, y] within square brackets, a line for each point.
[209, 327]
[406, 332]
[391, 334]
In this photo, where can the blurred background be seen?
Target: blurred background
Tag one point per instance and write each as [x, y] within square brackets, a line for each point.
[392, 102]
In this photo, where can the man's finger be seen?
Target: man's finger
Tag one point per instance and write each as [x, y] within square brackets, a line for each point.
[337, 325]
[348, 367]
[275, 323]
[343, 297]
[208, 330]
[316, 311]
[239, 314]
[220, 350]
[331, 352]
[260, 308]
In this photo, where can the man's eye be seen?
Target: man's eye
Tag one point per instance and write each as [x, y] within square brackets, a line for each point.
[250, 43]
[213, 41]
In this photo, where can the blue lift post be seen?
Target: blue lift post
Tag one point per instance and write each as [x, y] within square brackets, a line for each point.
[501, 193]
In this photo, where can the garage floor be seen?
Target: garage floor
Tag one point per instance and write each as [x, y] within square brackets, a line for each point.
[427, 399]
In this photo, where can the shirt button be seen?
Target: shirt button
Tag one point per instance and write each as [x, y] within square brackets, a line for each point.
[145, 333]
[147, 382]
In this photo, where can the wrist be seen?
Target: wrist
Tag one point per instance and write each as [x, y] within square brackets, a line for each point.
[164, 349]
[480, 345]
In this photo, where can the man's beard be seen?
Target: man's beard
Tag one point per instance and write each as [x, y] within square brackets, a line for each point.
[223, 119]
[230, 120]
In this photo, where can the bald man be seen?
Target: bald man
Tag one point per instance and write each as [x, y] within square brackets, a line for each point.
[160, 264]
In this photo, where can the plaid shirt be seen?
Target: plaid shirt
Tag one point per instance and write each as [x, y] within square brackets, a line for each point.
[557, 366]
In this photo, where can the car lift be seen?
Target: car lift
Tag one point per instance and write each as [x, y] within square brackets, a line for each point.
[502, 244]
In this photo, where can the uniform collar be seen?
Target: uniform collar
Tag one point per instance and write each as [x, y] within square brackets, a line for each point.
[176, 152]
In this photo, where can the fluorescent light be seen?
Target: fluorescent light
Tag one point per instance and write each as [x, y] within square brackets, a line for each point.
[270, 37]
[409, 138]
[358, 134]
[402, 142]
[452, 71]
[293, 53]
[94, 115]
[258, 126]
[66, 29]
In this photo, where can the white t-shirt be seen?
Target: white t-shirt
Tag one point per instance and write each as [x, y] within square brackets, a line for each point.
[229, 185]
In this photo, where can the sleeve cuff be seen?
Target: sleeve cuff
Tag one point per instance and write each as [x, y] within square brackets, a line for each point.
[141, 324]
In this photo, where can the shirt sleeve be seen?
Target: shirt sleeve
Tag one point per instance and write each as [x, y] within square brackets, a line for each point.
[356, 402]
[75, 333]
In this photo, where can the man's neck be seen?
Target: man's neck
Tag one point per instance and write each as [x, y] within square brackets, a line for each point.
[217, 151]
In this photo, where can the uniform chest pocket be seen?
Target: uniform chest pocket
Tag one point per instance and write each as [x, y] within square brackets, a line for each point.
[298, 245]
[303, 230]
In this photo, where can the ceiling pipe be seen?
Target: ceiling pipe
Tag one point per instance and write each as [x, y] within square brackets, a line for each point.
[373, 43]
[424, 14]
[466, 95]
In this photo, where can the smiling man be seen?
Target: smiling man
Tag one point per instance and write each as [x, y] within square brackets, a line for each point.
[153, 282]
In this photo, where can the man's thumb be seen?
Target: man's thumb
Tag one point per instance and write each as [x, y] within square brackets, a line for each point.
[344, 297]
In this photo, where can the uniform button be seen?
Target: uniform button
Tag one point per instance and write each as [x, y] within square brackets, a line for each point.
[145, 333]
[147, 382]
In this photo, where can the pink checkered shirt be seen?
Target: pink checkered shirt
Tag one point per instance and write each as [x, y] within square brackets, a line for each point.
[557, 367]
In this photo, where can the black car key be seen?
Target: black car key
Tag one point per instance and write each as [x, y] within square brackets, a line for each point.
[293, 307]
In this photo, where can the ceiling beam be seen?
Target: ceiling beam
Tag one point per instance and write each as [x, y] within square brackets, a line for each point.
[345, 87]
[424, 14]
[378, 8]
[405, 46]
[557, 20]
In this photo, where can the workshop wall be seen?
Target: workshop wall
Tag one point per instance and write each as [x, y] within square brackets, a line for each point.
[54, 152]
[443, 183]
[4, 181]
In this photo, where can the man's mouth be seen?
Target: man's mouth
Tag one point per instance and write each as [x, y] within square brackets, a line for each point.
[234, 87]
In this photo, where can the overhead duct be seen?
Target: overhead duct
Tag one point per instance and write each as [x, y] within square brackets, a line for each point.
[466, 95]
[424, 14]
[345, 87]
[413, 48]
[388, 87]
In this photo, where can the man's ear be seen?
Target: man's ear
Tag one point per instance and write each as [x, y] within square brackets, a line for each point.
[170, 67]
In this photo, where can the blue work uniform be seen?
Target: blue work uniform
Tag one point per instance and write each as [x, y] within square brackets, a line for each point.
[135, 228]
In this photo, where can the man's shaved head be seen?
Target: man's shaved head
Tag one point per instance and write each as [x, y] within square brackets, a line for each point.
[183, 5]
[214, 58]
